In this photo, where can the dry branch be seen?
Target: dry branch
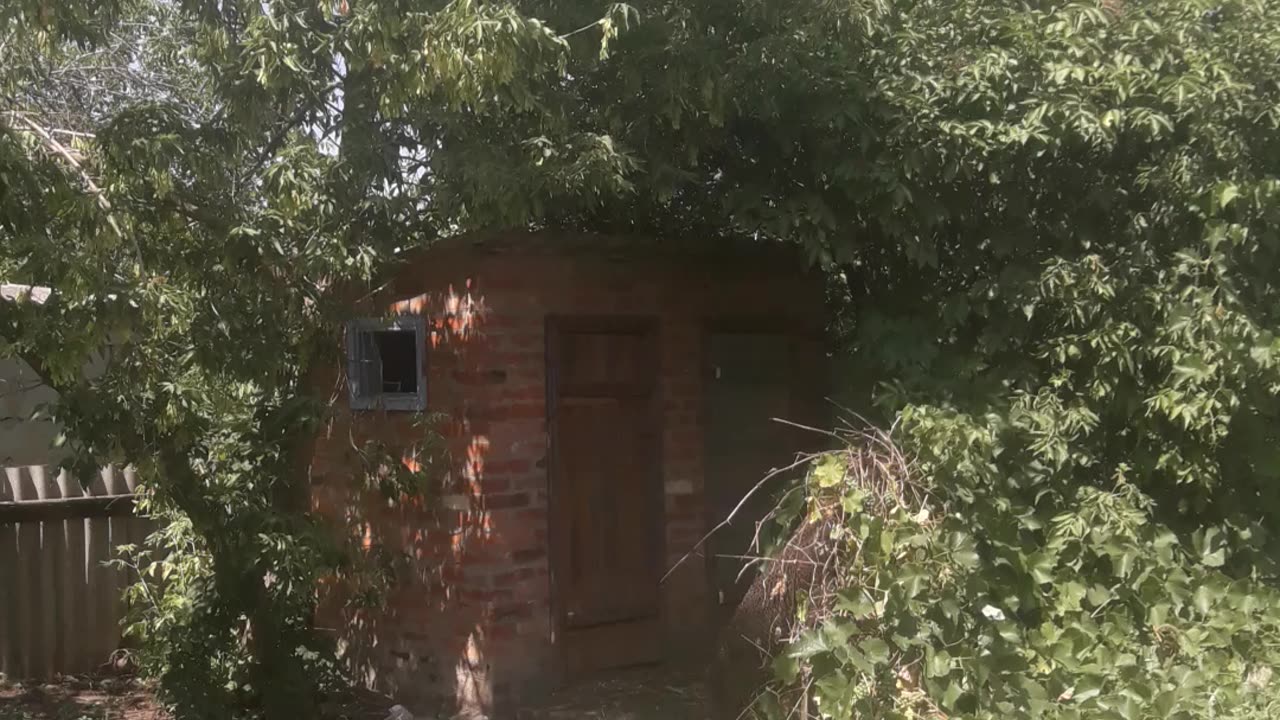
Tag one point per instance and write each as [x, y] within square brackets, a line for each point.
[798, 587]
[71, 158]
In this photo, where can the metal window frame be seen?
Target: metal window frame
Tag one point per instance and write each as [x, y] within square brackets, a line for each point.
[398, 402]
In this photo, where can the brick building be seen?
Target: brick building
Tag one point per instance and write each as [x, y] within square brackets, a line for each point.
[603, 403]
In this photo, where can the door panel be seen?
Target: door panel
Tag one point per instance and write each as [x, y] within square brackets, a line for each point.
[751, 379]
[605, 490]
[607, 472]
[601, 362]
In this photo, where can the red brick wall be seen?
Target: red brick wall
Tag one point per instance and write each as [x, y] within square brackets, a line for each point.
[470, 618]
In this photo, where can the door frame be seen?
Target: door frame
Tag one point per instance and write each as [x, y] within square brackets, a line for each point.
[556, 326]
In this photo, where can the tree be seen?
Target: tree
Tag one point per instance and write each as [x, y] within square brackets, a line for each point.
[1051, 223]
[208, 188]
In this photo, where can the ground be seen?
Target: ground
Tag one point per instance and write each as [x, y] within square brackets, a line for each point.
[125, 698]
[75, 698]
[646, 694]
[643, 694]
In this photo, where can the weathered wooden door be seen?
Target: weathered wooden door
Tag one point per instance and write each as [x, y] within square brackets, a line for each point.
[606, 491]
[750, 379]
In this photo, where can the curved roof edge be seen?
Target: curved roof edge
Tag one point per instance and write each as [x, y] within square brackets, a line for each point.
[555, 241]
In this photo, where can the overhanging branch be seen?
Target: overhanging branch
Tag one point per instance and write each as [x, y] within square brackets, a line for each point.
[62, 151]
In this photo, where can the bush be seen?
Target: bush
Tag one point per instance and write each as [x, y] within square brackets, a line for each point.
[951, 590]
[203, 627]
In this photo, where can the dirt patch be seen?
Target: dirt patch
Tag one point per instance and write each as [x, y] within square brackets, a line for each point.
[74, 698]
[126, 698]
[645, 694]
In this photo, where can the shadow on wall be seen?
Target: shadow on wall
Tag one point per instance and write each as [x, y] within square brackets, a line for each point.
[463, 549]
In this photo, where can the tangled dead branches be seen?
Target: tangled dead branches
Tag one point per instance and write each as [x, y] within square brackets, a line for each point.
[805, 580]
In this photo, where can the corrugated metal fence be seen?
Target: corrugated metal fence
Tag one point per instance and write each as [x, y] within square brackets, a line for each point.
[60, 606]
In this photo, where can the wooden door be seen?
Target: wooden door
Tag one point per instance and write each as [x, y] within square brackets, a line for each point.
[750, 379]
[606, 491]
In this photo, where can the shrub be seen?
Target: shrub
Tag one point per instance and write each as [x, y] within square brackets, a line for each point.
[951, 590]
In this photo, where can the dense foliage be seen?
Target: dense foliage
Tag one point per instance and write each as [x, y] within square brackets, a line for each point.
[1053, 223]
[1073, 304]
[927, 604]
[212, 257]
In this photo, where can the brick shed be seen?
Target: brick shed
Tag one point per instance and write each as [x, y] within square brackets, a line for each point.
[603, 403]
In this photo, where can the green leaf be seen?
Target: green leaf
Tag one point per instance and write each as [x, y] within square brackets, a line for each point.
[887, 541]
[786, 667]
[857, 659]
[938, 664]
[1225, 194]
[1041, 566]
[1086, 688]
[1203, 598]
[829, 470]
[1098, 596]
[856, 603]
[950, 694]
[810, 643]
[914, 579]
[1215, 559]
[876, 650]
[837, 633]
[966, 558]
[1071, 593]
[1037, 699]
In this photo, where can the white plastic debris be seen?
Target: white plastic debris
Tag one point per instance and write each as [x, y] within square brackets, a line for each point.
[993, 613]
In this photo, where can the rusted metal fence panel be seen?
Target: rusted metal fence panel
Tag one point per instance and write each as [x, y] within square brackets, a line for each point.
[60, 604]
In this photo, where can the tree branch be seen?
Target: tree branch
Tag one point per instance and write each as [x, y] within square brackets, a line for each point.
[52, 145]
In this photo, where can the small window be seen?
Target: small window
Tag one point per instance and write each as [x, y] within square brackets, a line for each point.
[385, 361]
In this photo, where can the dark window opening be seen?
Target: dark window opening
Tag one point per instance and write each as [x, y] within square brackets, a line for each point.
[398, 352]
[385, 361]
